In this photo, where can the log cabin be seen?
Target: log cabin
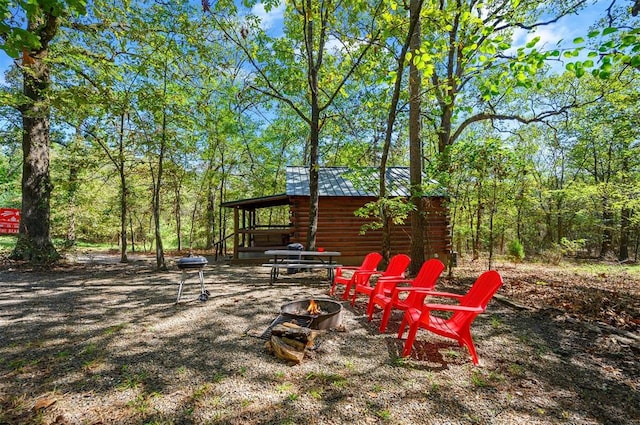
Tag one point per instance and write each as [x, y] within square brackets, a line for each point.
[342, 191]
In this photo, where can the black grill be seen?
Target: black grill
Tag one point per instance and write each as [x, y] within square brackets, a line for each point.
[193, 263]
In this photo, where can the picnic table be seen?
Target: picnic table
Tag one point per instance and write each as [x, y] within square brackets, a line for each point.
[294, 260]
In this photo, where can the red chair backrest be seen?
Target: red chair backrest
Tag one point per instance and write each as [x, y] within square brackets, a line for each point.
[371, 261]
[483, 289]
[426, 279]
[428, 274]
[397, 265]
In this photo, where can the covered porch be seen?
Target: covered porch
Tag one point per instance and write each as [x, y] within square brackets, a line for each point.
[250, 237]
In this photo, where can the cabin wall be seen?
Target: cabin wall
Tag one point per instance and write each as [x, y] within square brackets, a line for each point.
[339, 229]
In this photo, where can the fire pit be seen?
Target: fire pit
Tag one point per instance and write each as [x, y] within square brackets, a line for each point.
[329, 315]
[296, 329]
[315, 314]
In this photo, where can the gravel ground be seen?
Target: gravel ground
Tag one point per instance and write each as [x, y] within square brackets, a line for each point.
[96, 342]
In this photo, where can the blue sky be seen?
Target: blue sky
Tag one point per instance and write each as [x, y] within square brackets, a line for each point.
[566, 29]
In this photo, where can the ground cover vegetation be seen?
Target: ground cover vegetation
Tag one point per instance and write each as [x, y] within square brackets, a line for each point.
[95, 341]
[131, 122]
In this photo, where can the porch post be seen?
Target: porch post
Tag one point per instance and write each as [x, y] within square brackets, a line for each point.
[236, 227]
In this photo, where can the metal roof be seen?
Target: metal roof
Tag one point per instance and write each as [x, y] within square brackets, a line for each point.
[346, 181]
[336, 181]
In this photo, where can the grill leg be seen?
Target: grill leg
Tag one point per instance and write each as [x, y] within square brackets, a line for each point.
[201, 274]
[182, 278]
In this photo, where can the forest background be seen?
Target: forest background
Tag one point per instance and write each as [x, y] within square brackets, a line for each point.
[161, 111]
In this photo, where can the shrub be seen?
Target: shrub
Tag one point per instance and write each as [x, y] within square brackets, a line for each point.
[516, 250]
[571, 247]
[552, 255]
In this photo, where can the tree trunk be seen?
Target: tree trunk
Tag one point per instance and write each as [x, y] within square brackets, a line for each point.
[313, 65]
[133, 243]
[178, 210]
[160, 263]
[607, 232]
[492, 213]
[210, 217]
[313, 187]
[637, 244]
[222, 222]
[192, 229]
[123, 194]
[34, 240]
[391, 119]
[625, 221]
[72, 195]
[559, 212]
[479, 214]
[415, 149]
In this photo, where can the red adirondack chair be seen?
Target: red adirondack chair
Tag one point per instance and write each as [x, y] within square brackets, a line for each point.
[458, 326]
[395, 270]
[389, 297]
[370, 263]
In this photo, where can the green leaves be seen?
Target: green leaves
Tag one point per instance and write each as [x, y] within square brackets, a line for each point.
[422, 59]
[14, 37]
[615, 47]
[18, 39]
[577, 68]
[533, 42]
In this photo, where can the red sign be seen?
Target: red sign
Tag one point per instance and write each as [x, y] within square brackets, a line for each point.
[9, 220]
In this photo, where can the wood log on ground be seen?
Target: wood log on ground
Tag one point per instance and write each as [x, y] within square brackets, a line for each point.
[298, 345]
[298, 333]
[290, 341]
[285, 351]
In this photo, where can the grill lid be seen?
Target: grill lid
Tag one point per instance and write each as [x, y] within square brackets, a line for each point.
[192, 262]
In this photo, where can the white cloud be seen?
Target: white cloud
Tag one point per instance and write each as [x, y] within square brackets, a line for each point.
[550, 36]
[334, 45]
[272, 18]
[564, 31]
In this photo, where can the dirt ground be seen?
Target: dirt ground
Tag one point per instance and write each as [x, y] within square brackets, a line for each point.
[97, 342]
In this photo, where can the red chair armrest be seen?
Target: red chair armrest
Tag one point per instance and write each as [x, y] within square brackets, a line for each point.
[440, 294]
[395, 296]
[339, 270]
[450, 307]
[368, 272]
[384, 284]
[412, 289]
[395, 279]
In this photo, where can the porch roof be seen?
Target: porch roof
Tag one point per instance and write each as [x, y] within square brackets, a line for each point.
[261, 202]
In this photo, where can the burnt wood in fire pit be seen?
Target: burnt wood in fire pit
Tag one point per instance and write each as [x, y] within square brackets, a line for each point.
[330, 315]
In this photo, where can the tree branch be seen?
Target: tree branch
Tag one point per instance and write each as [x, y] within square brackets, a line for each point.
[541, 117]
